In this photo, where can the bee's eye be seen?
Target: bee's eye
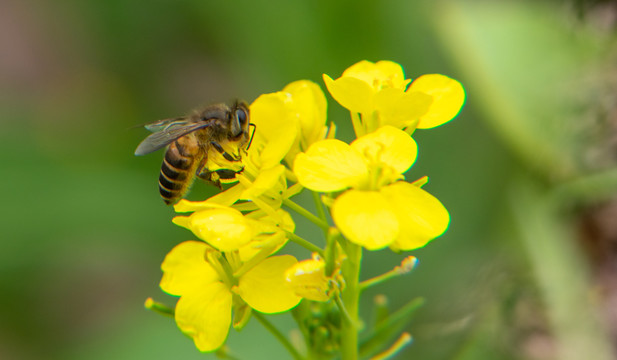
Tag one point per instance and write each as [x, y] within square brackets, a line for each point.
[241, 114]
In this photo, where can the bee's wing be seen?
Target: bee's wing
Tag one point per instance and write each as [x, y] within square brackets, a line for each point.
[158, 125]
[166, 133]
[162, 124]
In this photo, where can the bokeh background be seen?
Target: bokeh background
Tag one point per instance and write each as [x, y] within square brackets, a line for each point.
[527, 269]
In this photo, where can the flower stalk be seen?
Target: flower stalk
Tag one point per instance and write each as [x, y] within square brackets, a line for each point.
[406, 266]
[305, 243]
[351, 298]
[158, 307]
[307, 214]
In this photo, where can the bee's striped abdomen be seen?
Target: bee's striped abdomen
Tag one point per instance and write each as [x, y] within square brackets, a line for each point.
[176, 172]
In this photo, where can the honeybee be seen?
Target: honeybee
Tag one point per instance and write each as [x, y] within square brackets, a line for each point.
[208, 143]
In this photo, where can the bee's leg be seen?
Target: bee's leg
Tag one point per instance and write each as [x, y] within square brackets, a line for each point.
[226, 174]
[206, 175]
[225, 154]
[200, 167]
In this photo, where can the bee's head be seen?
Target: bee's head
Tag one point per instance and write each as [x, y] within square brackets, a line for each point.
[240, 120]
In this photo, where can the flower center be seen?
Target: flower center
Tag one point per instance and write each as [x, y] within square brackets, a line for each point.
[222, 266]
[380, 173]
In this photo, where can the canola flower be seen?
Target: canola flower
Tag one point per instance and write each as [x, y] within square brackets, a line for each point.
[308, 279]
[378, 94]
[379, 210]
[209, 287]
[234, 271]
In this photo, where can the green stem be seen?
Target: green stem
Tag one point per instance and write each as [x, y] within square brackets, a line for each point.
[343, 310]
[379, 279]
[159, 308]
[318, 204]
[304, 243]
[307, 214]
[406, 266]
[351, 296]
[277, 334]
[331, 253]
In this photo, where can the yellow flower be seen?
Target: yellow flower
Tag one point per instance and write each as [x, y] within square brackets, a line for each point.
[371, 161]
[401, 216]
[381, 95]
[287, 122]
[308, 103]
[210, 285]
[378, 210]
[276, 128]
[227, 229]
[308, 279]
[223, 228]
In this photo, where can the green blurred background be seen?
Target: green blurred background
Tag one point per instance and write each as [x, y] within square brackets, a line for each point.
[527, 269]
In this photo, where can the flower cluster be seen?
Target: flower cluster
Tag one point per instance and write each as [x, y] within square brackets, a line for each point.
[377, 94]
[234, 268]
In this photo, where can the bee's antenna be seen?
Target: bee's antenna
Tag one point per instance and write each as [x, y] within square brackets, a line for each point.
[253, 134]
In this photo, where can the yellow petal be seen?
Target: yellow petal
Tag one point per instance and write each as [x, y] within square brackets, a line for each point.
[361, 70]
[388, 145]
[268, 223]
[330, 165]
[189, 206]
[421, 216]
[264, 287]
[275, 126]
[268, 179]
[205, 315]
[352, 93]
[365, 218]
[308, 279]
[287, 222]
[399, 108]
[448, 98]
[309, 104]
[185, 269]
[261, 247]
[227, 197]
[380, 75]
[225, 229]
[393, 73]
